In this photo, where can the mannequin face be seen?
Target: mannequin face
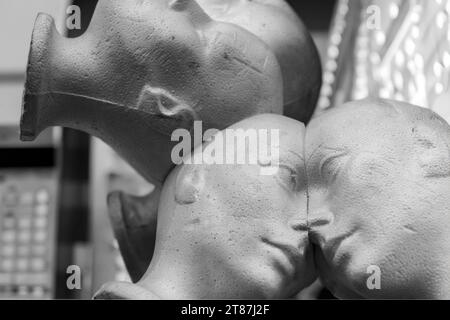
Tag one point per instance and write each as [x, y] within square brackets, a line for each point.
[379, 186]
[170, 56]
[246, 231]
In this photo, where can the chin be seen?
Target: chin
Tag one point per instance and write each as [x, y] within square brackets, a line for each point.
[263, 280]
[341, 284]
[342, 272]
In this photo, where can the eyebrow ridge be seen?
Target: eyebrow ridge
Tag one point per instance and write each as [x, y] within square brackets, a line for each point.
[321, 147]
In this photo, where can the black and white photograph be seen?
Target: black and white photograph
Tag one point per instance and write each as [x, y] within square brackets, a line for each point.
[224, 150]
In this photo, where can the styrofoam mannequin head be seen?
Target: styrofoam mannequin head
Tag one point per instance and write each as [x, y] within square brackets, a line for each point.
[226, 231]
[379, 196]
[143, 69]
[280, 28]
[175, 49]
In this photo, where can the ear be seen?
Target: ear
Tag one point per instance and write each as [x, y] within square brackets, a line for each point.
[157, 101]
[134, 224]
[433, 152]
[189, 184]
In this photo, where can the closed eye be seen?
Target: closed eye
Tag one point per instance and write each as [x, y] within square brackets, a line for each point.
[331, 165]
[287, 177]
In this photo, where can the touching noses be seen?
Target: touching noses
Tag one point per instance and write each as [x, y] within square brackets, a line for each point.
[319, 219]
[314, 220]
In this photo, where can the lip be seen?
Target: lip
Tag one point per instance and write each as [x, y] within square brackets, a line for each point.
[331, 247]
[292, 253]
[334, 280]
[334, 244]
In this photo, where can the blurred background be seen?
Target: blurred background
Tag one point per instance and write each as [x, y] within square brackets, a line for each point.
[53, 191]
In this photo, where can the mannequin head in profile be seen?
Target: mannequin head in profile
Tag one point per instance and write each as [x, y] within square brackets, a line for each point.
[174, 51]
[379, 196]
[153, 66]
[228, 231]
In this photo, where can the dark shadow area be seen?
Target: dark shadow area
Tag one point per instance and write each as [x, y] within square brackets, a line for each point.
[316, 15]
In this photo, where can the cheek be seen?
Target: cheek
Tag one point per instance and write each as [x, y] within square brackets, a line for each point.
[367, 171]
[366, 179]
[235, 52]
[362, 199]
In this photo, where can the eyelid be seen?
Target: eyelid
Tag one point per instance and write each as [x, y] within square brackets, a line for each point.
[288, 167]
[293, 173]
[330, 159]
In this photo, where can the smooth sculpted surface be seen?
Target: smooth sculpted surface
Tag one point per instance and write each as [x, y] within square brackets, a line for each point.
[227, 231]
[379, 195]
[367, 187]
[281, 29]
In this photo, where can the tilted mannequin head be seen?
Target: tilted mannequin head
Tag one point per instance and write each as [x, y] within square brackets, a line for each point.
[278, 25]
[229, 231]
[379, 200]
[144, 69]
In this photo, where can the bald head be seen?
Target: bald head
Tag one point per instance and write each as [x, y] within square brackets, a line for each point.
[244, 229]
[379, 195]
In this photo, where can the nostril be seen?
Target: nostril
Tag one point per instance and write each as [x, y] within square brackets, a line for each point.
[300, 226]
[180, 5]
[320, 217]
[319, 222]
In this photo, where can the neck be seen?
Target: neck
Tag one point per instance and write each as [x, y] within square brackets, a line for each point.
[175, 279]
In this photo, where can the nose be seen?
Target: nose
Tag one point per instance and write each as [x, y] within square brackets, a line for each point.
[298, 217]
[319, 219]
[301, 225]
[322, 219]
[192, 8]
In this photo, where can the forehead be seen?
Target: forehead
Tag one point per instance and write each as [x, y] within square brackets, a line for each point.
[287, 133]
[252, 144]
[357, 127]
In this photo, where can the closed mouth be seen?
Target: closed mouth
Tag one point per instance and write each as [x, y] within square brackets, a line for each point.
[330, 247]
[292, 253]
[333, 281]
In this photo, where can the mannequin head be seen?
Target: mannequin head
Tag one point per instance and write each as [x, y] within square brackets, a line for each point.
[226, 231]
[280, 28]
[153, 66]
[379, 195]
